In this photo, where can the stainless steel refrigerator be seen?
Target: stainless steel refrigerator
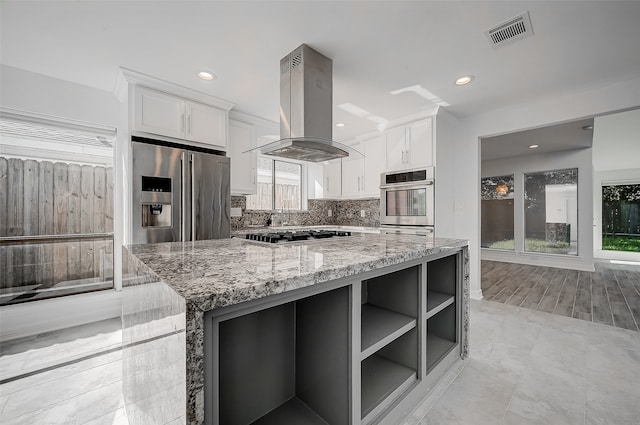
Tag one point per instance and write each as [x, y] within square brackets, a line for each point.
[178, 194]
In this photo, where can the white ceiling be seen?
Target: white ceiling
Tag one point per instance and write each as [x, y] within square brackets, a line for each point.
[376, 47]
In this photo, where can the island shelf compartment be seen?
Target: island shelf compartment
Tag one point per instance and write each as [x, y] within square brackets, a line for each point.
[286, 364]
[388, 374]
[442, 309]
[389, 339]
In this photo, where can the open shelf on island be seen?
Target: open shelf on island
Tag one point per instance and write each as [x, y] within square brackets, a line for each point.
[288, 364]
[389, 339]
[438, 301]
[441, 335]
[382, 379]
[293, 411]
[380, 327]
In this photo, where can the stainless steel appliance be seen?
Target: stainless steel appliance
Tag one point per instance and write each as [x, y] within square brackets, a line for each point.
[407, 200]
[178, 194]
[296, 235]
[306, 110]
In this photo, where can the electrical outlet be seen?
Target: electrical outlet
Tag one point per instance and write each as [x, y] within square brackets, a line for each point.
[363, 213]
[329, 213]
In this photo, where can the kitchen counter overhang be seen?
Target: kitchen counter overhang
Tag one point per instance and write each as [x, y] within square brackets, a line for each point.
[172, 285]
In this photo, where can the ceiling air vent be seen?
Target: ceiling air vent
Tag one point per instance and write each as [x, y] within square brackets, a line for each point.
[509, 31]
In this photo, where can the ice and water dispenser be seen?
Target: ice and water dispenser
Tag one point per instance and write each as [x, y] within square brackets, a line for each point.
[156, 201]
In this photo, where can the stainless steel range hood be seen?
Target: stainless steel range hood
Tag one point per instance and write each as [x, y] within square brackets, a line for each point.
[306, 108]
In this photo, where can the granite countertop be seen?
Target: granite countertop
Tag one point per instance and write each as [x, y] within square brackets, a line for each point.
[217, 273]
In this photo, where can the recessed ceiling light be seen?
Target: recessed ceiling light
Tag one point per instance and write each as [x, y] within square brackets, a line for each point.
[340, 124]
[206, 75]
[465, 79]
[534, 146]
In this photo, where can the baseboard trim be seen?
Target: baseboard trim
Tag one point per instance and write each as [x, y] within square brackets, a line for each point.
[476, 294]
[36, 317]
[545, 260]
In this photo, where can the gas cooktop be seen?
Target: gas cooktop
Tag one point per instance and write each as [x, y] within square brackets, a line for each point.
[292, 236]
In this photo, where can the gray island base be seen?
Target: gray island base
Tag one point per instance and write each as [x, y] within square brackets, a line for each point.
[352, 330]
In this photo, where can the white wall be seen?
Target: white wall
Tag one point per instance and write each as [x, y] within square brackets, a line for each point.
[616, 160]
[444, 154]
[28, 91]
[580, 159]
[538, 113]
[36, 93]
[616, 141]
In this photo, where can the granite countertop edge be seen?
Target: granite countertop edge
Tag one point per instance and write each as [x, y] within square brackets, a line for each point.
[205, 290]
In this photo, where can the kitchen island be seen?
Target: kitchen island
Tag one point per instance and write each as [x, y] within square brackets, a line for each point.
[340, 331]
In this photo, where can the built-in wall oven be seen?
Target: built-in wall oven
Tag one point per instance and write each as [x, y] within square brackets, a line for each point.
[407, 200]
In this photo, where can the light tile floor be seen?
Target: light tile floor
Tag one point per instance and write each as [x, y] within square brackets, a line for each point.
[525, 367]
[529, 367]
[73, 376]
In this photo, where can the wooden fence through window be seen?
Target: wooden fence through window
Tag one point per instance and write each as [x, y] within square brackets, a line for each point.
[56, 224]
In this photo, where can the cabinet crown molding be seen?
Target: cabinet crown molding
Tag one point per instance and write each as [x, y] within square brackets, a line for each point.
[128, 77]
[252, 119]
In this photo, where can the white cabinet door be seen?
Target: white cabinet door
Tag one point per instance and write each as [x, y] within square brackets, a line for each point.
[206, 124]
[159, 113]
[374, 163]
[396, 149]
[420, 144]
[353, 175]
[172, 116]
[332, 180]
[243, 165]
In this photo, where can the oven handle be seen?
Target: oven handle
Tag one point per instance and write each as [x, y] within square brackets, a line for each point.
[407, 185]
[422, 231]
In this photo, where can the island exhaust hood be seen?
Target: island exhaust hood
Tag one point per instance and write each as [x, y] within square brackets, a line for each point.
[306, 108]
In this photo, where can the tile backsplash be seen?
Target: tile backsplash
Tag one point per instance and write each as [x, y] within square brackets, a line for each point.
[343, 213]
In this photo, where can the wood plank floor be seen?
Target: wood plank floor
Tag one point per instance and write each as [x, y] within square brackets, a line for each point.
[610, 295]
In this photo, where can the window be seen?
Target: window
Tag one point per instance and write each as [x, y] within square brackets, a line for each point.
[56, 209]
[497, 212]
[621, 217]
[551, 211]
[279, 186]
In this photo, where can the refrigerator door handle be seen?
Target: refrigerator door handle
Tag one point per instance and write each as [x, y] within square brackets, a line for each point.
[193, 199]
[185, 194]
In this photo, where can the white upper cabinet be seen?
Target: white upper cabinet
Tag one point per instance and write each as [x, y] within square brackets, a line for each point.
[206, 124]
[353, 175]
[410, 146]
[396, 139]
[361, 177]
[420, 144]
[159, 113]
[172, 116]
[242, 137]
[373, 150]
[332, 187]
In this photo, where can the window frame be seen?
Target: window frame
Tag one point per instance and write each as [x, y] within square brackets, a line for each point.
[524, 250]
[303, 183]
